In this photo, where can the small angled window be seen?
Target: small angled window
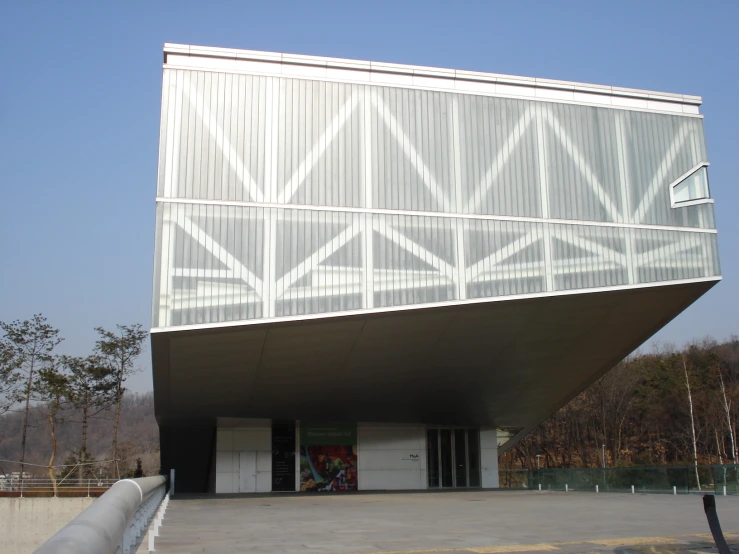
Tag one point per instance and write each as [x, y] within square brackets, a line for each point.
[692, 187]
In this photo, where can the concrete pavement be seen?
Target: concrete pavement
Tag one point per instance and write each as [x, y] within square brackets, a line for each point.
[469, 521]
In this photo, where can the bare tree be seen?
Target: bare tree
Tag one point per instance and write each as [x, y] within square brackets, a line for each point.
[120, 349]
[692, 424]
[727, 410]
[718, 448]
[29, 345]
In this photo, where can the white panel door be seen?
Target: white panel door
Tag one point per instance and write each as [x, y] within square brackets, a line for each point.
[247, 472]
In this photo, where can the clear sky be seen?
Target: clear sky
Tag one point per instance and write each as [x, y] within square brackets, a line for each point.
[80, 87]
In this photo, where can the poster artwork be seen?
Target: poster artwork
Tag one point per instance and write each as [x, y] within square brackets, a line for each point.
[328, 458]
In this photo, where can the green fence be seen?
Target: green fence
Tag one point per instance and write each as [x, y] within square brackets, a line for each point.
[621, 479]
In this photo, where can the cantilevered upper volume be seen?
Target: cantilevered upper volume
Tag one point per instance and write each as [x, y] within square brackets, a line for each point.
[284, 191]
[410, 244]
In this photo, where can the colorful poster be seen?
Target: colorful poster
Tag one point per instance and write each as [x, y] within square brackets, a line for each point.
[328, 457]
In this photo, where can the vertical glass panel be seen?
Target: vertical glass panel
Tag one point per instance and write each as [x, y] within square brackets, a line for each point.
[432, 446]
[283, 456]
[446, 458]
[460, 457]
[473, 455]
[693, 187]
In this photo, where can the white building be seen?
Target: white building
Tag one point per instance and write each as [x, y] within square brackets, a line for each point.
[380, 276]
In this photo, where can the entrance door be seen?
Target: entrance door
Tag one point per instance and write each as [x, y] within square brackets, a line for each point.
[460, 457]
[247, 472]
[453, 457]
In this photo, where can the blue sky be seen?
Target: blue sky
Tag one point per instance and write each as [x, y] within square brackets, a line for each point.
[80, 88]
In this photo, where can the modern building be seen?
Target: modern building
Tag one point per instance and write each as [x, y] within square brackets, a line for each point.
[381, 276]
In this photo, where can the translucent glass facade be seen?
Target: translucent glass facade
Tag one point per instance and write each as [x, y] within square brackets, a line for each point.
[283, 196]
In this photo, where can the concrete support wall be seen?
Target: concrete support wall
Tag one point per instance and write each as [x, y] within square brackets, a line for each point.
[244, 457]
[489, 458]
[25, 523]
[391, 457]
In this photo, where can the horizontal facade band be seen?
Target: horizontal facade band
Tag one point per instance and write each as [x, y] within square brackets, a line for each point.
[489, 89]
[379, 211]
[408, 307]
[341, 70]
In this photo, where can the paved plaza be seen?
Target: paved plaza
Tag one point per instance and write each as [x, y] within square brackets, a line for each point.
[474, 521]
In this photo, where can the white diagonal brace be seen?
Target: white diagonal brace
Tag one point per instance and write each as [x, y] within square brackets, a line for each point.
[503, 253]
[312, 261]
[596, 248]
[582, 265]
[216, 296]
[413, 156]
[664, 252]
[504, 154]
[659, 176]
[319, 147]
[416, 249]
[694, 263]
[590, 177]
[239, 270]
[216, 131]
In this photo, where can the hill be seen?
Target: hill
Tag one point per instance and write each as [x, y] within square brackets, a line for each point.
[651, 409]
[138, 437]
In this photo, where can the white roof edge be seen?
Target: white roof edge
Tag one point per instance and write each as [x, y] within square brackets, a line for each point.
[205, 52]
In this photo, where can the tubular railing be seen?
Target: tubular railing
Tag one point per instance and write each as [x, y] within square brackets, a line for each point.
[114, 523]
[36, 487]
[716, 479]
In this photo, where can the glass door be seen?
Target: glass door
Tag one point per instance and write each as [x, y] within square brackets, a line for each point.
[453, 456]
[460, 458]
[447, 462]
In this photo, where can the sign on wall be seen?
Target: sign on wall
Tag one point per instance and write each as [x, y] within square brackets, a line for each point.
[328, 457]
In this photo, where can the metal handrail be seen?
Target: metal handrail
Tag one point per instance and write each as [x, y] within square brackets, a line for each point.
[113, 521]
[46, 483]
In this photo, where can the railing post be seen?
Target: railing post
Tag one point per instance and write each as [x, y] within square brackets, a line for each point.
[171, 482]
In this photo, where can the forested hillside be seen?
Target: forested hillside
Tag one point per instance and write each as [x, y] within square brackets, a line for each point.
[641, 412]
[138, 437]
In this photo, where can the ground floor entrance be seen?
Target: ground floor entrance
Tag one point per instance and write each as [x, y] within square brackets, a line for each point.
[453, 457]
[262, 455]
